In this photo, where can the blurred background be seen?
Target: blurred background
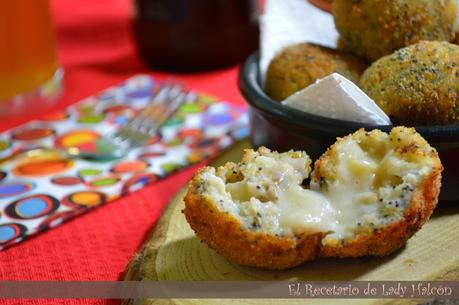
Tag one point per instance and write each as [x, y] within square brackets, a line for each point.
[100, 43]
[87, 46]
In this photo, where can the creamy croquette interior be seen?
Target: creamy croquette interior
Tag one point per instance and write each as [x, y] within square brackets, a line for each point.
[364, 182]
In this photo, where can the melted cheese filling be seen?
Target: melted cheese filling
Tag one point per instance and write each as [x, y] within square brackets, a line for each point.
[351, 193]
[271, 197]
[368, 192]
[305, 211]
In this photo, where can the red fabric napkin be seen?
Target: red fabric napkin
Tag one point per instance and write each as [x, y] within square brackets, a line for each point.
[96, 50]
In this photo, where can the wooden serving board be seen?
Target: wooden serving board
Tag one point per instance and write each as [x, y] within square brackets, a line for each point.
[173, 252]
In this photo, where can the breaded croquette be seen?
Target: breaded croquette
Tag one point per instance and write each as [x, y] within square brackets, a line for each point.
[299, 66]
[369, 193]
[417, 85]
[375, 28]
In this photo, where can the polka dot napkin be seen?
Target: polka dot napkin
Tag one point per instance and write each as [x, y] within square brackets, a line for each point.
[42, 188]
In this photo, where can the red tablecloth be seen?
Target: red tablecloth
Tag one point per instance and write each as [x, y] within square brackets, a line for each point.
[96, 51]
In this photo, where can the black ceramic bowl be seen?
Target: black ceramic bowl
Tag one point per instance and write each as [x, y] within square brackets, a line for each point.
[282, 128]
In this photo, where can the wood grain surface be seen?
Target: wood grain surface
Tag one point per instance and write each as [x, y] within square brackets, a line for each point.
[173, 252]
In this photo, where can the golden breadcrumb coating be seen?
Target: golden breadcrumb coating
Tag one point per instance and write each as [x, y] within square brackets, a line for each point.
[417, 85]
[300, 65]
[368, 194]
[402, 207]
[375, 28]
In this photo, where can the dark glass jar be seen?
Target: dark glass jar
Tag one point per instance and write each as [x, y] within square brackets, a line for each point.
[194, 35]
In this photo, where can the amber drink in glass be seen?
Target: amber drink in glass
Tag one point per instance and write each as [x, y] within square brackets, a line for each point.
[29, 71]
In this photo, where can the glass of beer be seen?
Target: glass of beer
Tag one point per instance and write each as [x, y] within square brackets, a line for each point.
[30, 76]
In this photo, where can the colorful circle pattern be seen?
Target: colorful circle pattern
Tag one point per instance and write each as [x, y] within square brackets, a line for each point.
[78, 138]
[66, 180]
[137, 182]
[130, 167]
[85, 199]
[221, 114]
[55, 116]
[139, 87]
[148, 155]
[218, 119]
[43, 167]
[170, 167]
[4, 145]
[190, 133]
[204, 143]
[155, 139]
[173, 142]
[104, 182]
[174, 121]
[11, 231]
[116, 109]
[46, 207]
[33, 134]
[91, 118]
[15, 188]
[32, 207]
[190, 108]
[88, 172]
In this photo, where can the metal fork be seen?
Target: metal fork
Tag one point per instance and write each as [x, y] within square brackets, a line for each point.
[134, 133]
[146, 123]
[140, 129]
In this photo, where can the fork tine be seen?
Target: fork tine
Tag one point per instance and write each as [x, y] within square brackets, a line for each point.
[158, 102]
[175, 104]
[157, 110]
[166, 101]
[163, 113]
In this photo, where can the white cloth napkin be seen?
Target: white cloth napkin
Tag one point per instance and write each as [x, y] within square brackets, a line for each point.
[287, 22]
[337, 97]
